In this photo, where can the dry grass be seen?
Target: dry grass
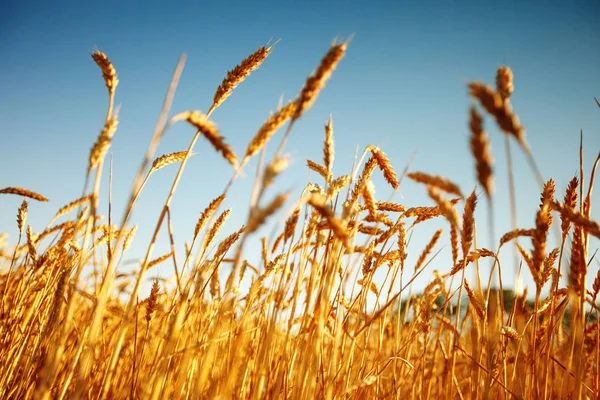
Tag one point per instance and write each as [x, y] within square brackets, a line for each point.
[310, 321]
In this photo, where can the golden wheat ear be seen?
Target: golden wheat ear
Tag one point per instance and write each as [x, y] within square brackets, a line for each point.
[504, 82]
[316, 82]
[501, 110]
[436, 181]
[385, 166]
[152, 303]
[210, 132]
[329, 149]
[102, 144]
[269, 127]
[167, 159]
[108, 71]
[481, 149]
[206, 214]
[23, 192]
[22, 216]
[238, 74]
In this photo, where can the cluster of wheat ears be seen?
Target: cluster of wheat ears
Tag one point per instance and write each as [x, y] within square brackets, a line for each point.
[72, 323]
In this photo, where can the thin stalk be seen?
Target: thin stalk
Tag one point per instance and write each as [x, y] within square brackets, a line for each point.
[513, 212]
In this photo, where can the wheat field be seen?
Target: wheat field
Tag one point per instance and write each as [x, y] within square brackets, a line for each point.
[309, 320]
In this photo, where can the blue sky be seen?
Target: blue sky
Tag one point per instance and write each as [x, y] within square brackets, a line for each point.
[402, 86]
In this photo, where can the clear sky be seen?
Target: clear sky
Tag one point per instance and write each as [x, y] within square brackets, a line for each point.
[402, 86]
